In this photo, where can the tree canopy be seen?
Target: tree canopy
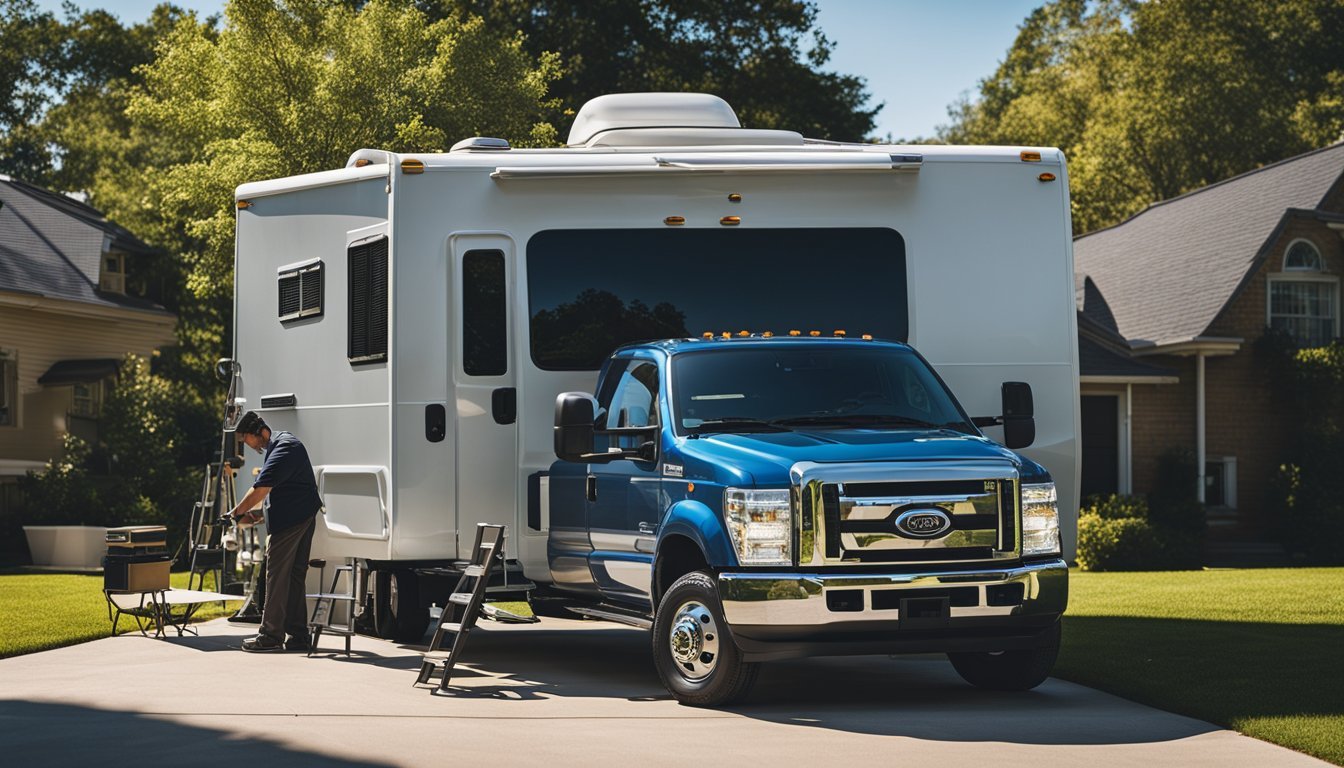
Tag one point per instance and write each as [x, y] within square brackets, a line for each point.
[766, 58]
[1152, 99]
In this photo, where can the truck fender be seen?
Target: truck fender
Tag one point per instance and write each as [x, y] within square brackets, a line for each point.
[697, 522]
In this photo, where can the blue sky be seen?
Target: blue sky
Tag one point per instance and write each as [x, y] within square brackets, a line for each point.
[918, 57]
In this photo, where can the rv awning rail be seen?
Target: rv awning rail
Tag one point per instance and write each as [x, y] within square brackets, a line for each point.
[727, 163]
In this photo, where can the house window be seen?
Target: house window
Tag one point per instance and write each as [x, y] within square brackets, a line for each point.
[9, 388]
[367, 338]
[113, 279]
[300, 291]
[87, 399]
[1220, 482]
[1304, 299]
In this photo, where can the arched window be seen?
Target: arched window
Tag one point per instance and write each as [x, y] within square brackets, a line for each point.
[1303, 298]
[1302, 256]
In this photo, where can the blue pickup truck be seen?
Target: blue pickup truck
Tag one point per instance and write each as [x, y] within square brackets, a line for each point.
[754, 497]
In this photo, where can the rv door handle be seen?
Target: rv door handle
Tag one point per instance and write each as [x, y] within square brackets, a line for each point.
[590, 487]
[504, 405]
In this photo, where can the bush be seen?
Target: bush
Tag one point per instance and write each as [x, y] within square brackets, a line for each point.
[1312, 495]
[1118, 544]
[1122, 533]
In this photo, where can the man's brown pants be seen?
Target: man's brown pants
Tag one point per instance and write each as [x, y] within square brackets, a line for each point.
[286, 609]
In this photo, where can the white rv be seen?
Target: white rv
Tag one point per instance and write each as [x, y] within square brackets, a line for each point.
[413, 317]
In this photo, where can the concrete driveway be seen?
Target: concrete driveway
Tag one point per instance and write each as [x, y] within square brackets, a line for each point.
[559, 693]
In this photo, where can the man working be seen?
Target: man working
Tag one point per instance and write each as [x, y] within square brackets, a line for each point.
[287, 478]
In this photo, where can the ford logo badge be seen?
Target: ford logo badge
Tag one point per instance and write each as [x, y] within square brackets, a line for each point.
[923, 523]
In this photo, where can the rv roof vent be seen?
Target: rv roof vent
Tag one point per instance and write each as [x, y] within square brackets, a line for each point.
[650, 110]
[479, 143]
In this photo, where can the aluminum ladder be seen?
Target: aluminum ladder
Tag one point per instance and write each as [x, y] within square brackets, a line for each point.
[464, 606]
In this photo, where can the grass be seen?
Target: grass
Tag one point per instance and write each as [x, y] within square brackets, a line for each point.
[1260, 651]
[39, 611]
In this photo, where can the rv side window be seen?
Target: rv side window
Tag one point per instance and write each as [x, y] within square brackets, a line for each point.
[300, 291]
[368, 301]
[484, 314]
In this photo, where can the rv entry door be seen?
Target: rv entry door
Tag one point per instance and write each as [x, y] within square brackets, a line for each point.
[482, 343]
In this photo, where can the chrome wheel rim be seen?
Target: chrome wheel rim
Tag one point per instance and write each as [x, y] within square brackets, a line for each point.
[694, 641]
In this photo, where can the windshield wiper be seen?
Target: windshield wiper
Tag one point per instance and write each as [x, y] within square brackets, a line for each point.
[736, 423]
[861, 419]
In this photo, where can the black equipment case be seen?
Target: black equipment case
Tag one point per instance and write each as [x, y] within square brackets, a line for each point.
[137, 559]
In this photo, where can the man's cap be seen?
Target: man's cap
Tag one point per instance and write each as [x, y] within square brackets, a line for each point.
[250, 424]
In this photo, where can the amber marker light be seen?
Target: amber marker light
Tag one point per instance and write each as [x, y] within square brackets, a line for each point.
[411, 165]
[363, 161]
[1046, 177]
[867, 337]
[674, 221]
[706, 335]
[743, 333]
[734, 198]
[767, 335]
[727, 335]
[244, 204]
[1030, 157]
[690, 487]
[795, 333]
[730, 221]
[840, 333]
[814, 333]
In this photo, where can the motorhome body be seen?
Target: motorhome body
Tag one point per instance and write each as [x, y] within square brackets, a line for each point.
[414, 316]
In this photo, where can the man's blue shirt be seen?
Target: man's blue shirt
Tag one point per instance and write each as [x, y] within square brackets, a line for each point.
[289, 474]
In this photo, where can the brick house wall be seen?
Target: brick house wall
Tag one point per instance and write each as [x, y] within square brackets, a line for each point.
[1244, 419]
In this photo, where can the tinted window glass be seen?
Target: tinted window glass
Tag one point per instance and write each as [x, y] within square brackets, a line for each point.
[811, 385]
[634, 403]
[484, 314]
[590, 291]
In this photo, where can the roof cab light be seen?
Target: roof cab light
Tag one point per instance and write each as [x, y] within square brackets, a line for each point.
[1030, 156]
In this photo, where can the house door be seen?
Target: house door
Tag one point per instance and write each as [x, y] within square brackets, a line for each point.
[484, 379]
[1100, 445]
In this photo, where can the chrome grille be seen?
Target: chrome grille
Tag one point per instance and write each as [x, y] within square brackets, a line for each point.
[849, 514]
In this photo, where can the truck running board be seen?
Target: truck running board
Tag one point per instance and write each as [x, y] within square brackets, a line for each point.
[464, 606]
[612, 614]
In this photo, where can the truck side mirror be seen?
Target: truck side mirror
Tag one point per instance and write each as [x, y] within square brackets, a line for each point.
[574, 417]
[1019, 415]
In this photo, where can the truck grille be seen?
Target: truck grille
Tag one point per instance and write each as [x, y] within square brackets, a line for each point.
[874, 520]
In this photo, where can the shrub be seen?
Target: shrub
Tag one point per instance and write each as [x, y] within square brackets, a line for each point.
[1115, 506]
[1118, 544]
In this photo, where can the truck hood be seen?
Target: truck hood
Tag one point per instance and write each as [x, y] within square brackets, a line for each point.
[767, 456]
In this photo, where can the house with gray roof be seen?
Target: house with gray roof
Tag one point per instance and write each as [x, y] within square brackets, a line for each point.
[67, 318]
[1188, 286]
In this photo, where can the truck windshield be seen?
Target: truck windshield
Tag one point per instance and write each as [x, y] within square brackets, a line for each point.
[751, 389]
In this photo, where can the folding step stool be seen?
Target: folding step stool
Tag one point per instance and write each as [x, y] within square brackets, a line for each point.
[464, 605]
[321, 620]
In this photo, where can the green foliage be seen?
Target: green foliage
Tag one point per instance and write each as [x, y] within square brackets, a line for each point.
[63, 493]
[1131, 533]
[1153, 99]
[766, 58]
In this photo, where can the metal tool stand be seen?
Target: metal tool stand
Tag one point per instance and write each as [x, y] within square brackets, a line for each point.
[153, 612]
[464, 605]
[322, 619]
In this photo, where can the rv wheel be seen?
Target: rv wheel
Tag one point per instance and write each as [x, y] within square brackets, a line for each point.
[398, 614]
[692, 648]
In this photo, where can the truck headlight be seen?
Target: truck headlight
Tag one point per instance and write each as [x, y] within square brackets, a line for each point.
[760, 523]
[1040, 520]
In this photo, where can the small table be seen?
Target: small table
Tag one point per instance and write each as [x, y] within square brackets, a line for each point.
[160, 608]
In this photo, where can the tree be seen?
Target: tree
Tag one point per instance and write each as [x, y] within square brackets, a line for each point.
[32, 72]
[751, 54]
[1152, 99]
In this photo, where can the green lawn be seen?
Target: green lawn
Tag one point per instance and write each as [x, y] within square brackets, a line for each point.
[1260, 651]
[48, 610]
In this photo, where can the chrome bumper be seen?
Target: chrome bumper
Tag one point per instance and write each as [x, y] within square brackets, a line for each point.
[799, 599]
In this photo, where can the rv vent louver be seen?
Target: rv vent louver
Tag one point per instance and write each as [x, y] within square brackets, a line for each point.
[368, 301]
[300, 291]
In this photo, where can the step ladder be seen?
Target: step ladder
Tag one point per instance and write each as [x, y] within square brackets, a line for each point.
[464, 606]
[322, 619]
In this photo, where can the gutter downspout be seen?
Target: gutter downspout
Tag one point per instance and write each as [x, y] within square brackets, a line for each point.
[1199, 424]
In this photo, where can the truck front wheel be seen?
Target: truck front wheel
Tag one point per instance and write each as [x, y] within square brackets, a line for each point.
[692, 648]
[1010, 670]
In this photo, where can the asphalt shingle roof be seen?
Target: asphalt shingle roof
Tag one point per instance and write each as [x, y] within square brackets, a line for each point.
[51, 245]
[1167, 272]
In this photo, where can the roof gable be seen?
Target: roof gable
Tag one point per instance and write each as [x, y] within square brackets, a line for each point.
[1168, 271]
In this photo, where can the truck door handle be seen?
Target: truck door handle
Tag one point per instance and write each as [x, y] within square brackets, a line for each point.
[590, 487]
[504, 405]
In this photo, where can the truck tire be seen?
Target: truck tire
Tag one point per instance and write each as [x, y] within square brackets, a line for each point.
[693, 648]
[1010, 670]
[398, 614]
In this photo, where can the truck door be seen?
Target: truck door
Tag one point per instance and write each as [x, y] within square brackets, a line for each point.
[484, 382]
[625, 496]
